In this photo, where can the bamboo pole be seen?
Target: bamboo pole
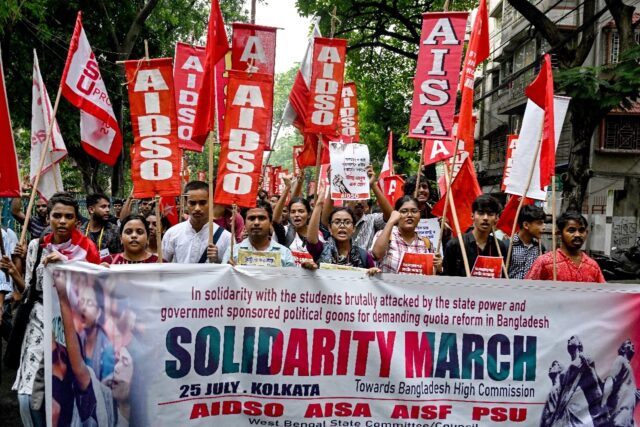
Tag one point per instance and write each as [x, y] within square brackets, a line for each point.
[415, 192]
[553, 226]
[158, 229]
[448, 172]
[234, 211]
[2, 251]
[526, 190]
[43, 154]
[210, 197]
[318, 160]
[504, 267]
[456, 223]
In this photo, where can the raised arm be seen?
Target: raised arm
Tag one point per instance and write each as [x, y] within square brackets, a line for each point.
[277, 211]
[381, 245]
[16, 210]
[297, 184]
[126, 207]
[385, 206]
[314, 222]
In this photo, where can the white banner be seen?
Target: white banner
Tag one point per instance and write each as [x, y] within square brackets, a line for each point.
[177, 345]
[522, 155]
[349, 180]
[430, 228]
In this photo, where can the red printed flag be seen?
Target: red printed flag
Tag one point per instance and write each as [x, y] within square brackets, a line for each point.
[275, 187]
[327, 76]
[412, 263]
[437, 74]
[392, 188]
[249, 107]
[217, 47]
[253, 49]
[155, 154]
[541, 92]
[267, 179]
[464, 189]
[437, 150]
[477, 51]
[349, 128]
[83, 87]
[9, 174]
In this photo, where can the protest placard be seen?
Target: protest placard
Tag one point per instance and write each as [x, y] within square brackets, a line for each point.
[429, 228]
[349, 180]
[259, 258]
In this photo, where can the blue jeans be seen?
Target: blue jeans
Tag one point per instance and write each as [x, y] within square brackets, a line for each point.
[30, 418]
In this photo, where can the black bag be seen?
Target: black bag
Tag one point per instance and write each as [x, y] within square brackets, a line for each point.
[21, 319]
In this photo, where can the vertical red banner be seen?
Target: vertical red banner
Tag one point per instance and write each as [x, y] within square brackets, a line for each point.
[275, 187]
[155, 154]
[325, 89]
[249, 107]
[9, 174]
[253, 49]
[349, 128]
[437, 75]
[188, 73]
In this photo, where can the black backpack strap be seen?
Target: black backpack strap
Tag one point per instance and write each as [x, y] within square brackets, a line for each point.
[216, 237]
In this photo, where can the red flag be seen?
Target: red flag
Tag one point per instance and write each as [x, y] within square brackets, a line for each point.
[9, 174]
[250, 104]
[253, 48]
[325, 89]
[437, 150]
[349, 128]
[169, 209]
[267, 179]
[541, 92]
[217, 47]
[309, 152]
[188, 74]
[275, 185]
[464, 189]
[155, 155]
[508, 214]
[477, 52]
[297, 150]
[83, 87]
[392, 188]
[437, 74]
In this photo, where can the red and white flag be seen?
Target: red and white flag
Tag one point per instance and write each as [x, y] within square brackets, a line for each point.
[41, 123]
[217, 47]
[390, 184]
[512, 140]
[9, 174]
[540, 91]
[295, 112]
[477, 51]
[155, 155]
[83, 87]
[78, 248]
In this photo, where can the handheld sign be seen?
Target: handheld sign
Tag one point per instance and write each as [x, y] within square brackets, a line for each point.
[259, 258]
[349, 180]
[488, 267]
[412, 263]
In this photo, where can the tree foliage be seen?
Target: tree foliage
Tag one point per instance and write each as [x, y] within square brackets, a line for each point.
[116, 30]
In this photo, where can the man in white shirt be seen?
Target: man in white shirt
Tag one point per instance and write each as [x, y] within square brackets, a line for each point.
[186, 242]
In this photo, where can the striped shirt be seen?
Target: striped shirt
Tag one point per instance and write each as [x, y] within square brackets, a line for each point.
[397, 248]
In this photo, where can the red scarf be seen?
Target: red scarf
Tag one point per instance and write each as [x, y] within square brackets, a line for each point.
[78, 248]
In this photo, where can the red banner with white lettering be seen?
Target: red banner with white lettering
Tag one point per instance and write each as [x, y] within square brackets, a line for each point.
[327, 77]
[437, 75]
[437, 150]
[413, 263]
[249, 107]
[188, 73]
[512, 140]
[155, 154]
[349, 128]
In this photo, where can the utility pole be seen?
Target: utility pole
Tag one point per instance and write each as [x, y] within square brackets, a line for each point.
[253, 11]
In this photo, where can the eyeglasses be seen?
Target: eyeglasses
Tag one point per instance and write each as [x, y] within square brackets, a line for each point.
[409, 211]
[89, 303]
[342, 222]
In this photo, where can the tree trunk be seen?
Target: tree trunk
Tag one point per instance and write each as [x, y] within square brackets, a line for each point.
[584, 120]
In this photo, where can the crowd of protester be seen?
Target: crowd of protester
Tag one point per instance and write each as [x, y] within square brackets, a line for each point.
[95, 364]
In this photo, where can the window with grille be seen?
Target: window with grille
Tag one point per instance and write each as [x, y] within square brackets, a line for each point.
[497, 147]
[614, 46]
[621, 133]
